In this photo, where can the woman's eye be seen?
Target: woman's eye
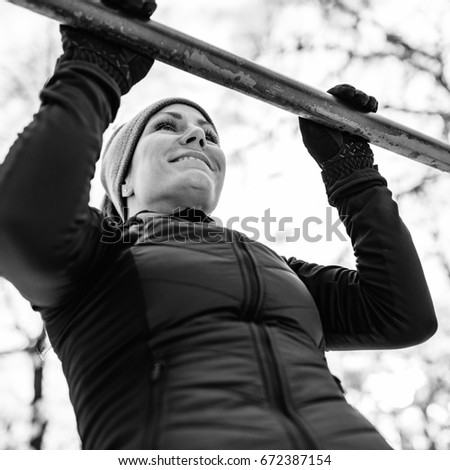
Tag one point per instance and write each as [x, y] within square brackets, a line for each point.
[211, 136]
[165, 126]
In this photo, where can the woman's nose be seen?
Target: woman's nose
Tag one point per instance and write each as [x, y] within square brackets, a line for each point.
[195, 135]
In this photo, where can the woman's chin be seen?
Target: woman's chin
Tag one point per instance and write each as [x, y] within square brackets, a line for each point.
[194, 182]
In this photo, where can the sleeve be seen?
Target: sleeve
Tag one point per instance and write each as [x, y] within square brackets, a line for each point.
[385, 301]
[48, 233]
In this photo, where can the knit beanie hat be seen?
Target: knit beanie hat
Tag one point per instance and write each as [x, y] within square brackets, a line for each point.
[120, 149]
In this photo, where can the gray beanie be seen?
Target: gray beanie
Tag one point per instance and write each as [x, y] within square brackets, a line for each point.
[120, 149]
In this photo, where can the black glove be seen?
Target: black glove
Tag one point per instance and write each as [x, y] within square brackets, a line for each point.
[327, 145]
[125, 66]
[346, 159]
[143, 9]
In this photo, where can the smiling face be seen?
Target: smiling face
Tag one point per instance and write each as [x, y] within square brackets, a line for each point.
[178, 163]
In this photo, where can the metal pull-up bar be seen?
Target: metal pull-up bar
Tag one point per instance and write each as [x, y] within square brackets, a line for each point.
[211, 63]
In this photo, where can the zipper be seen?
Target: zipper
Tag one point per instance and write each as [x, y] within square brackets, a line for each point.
[278, 391]
[273, 380]
[253, 292]
[157, 380]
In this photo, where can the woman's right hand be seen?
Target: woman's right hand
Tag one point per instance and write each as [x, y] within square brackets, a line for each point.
[127, 67]
[141, 8]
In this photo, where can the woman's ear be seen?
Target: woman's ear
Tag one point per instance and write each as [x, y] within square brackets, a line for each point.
[126, 190]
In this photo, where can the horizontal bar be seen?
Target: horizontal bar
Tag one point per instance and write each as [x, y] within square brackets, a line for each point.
[211, 63]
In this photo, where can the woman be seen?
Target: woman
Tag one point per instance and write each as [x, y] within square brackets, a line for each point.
[180, 334]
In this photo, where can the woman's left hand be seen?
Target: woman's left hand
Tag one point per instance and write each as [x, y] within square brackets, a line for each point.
[324, 143]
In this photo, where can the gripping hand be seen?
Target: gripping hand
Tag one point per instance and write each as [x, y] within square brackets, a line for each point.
[327, 145]
[127, 67]
[143, 9]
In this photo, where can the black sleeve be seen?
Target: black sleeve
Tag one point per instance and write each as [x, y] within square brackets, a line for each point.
[385, 302]
[48, 233]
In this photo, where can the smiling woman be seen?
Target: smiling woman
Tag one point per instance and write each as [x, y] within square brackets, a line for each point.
[168, 157]
[189, 335]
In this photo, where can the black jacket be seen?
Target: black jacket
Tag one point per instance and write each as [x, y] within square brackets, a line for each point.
[180, 334]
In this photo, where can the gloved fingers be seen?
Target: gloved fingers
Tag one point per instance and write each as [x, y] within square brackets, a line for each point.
[149, 8]
[126, 66]
[139, 65]
[141, 8]
[343, 91]
[69, 31]
[354, 97]
[321, 141]
[75, 34]
[372, 105]
[83, 39]
[74, 37]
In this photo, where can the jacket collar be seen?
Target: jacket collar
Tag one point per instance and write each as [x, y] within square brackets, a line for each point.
[190, 214]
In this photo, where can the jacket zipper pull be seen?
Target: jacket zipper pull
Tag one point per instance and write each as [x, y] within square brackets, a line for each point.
[156, 372]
